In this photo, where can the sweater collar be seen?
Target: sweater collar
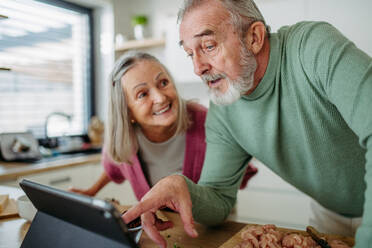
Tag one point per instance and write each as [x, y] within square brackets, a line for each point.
[268, 78]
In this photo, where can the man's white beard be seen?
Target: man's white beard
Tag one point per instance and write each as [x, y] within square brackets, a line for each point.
[238, 87]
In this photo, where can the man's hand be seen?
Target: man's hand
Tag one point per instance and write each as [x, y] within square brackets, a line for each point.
[171, 192]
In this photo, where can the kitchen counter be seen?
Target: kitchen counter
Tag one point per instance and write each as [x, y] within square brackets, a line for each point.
[227, 235]
[13, 170]
[13, 230]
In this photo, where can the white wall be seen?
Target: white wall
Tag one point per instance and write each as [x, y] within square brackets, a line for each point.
[156, 10]
[353, 18]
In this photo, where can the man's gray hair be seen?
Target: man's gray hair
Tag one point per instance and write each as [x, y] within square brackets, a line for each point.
[121, 142]
[243, 13]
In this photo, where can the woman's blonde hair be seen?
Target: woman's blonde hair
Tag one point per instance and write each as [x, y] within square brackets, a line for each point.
[121, 142]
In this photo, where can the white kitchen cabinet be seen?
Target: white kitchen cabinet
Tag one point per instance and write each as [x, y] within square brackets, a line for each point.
[11, 183]
[79, 176]
[83, 177]
[270, 200]
[121, 192]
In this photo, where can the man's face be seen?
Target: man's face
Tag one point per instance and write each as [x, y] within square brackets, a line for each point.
[219, 57]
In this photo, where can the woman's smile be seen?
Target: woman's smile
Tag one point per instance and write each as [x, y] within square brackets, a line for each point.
[163, 110]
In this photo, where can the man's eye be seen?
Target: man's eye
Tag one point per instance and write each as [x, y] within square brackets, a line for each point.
[209, 48]
[164, 83]
[189, 55]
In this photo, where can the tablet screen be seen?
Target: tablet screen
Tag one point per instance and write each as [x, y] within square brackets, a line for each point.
[92, 216]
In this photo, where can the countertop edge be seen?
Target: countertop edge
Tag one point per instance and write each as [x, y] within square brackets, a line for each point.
[10, 171]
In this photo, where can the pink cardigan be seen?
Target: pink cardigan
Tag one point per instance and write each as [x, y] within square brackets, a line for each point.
[193, 161]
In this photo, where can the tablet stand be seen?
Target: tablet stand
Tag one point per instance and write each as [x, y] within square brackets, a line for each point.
[49, 231]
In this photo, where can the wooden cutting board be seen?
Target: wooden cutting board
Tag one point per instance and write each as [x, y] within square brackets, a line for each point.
[122, 208]
[236, 239]
[10, 210]
[177, 237]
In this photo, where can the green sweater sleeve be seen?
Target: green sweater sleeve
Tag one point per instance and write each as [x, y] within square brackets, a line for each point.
[224, 166]
[344, 72]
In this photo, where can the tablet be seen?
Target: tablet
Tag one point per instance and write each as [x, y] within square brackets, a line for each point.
[66, 219]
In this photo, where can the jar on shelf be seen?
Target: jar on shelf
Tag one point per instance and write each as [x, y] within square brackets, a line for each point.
[139, 23]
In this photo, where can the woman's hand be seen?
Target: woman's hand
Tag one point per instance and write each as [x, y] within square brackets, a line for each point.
[95, 188]
[171, 192]
[88, 192]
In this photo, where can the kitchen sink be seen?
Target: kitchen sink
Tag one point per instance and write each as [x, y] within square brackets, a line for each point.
[69, 154]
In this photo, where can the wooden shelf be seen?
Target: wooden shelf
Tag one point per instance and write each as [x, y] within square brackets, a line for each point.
[137, 44]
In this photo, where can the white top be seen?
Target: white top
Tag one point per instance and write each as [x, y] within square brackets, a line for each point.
[159, 160]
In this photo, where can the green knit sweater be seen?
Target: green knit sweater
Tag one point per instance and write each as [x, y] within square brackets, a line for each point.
[309, 120]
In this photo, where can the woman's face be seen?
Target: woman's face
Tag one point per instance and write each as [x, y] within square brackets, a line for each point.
[151, 95]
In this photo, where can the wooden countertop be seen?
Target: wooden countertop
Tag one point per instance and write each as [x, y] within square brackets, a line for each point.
[13, 230]
[208, 237]
[12, 170]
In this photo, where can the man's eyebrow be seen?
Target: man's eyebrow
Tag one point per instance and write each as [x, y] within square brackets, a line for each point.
[205, 32]
[157, 76]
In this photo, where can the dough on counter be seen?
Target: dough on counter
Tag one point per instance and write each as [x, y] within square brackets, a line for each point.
[268, 236]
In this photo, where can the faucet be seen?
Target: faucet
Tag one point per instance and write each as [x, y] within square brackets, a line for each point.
[48, 142]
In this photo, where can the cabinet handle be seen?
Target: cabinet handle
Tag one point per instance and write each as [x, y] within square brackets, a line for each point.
[60, 180]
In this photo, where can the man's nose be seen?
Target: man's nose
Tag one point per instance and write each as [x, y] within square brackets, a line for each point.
[201, 66]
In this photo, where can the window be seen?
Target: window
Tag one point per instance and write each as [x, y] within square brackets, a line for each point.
[46, 58]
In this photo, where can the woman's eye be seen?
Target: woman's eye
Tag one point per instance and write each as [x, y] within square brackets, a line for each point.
[141, 95]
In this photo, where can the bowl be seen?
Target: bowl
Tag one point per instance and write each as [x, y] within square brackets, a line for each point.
[25, 208]
[136, 233]
[135, 228]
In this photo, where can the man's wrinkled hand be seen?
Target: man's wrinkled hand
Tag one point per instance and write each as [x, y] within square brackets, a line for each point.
[171, 192]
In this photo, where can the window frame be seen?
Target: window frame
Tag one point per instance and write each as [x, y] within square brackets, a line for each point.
[90, 83]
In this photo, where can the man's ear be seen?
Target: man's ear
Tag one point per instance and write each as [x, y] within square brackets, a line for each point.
[255, 37]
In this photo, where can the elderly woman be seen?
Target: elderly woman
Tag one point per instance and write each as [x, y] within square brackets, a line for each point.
[151, 131]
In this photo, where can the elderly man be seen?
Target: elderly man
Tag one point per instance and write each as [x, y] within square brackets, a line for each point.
[299, 100]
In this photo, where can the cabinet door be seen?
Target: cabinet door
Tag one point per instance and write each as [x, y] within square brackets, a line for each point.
[121, 192]
[258, 203]
[84, 176]
[80, 176]
[11, 183]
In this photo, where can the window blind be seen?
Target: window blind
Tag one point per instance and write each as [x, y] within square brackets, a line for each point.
[45, 67]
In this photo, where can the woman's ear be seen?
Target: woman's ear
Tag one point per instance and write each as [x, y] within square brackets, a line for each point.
[132, 120]
[255, 37]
